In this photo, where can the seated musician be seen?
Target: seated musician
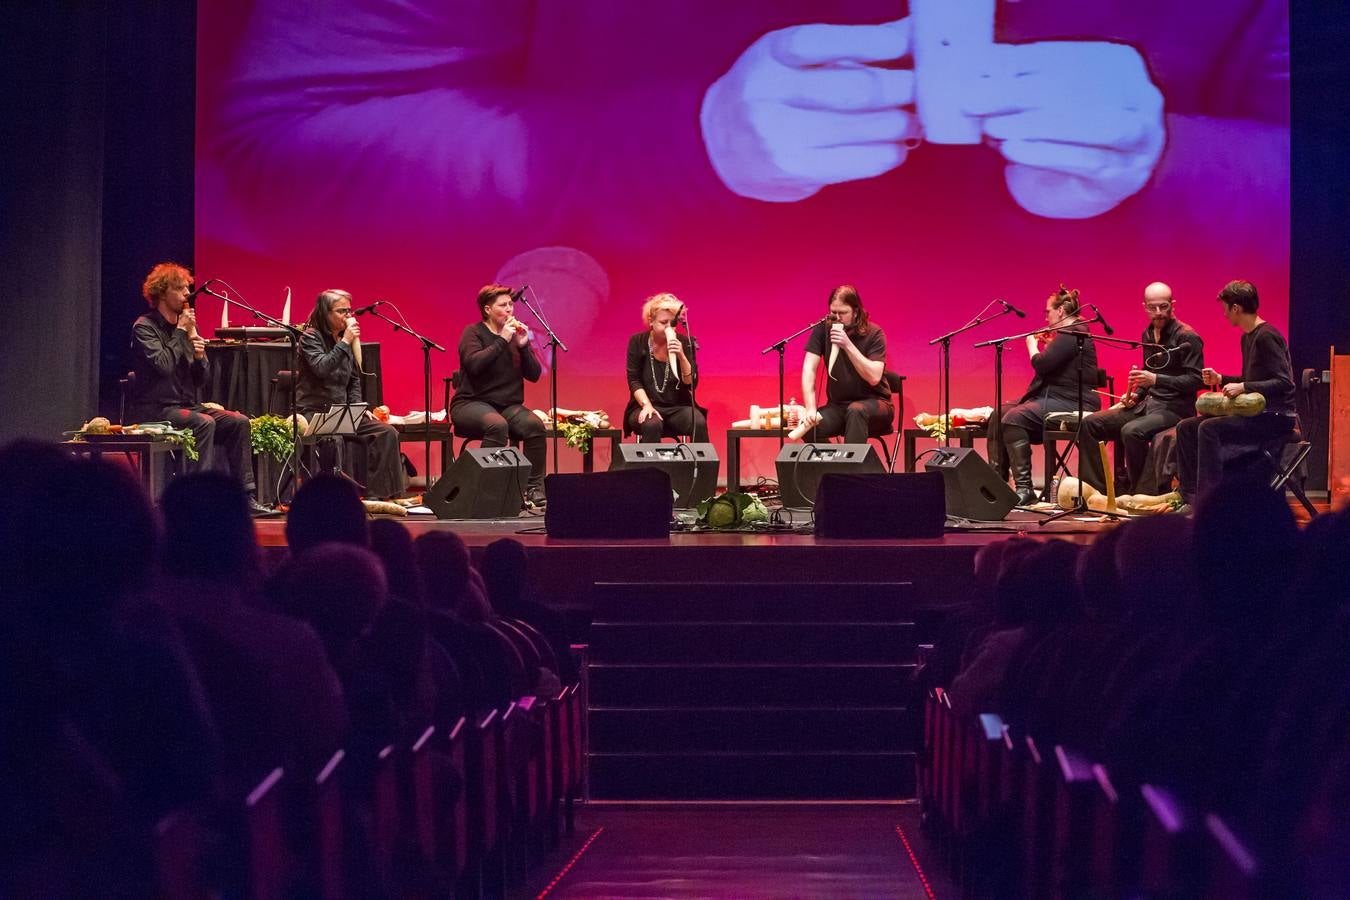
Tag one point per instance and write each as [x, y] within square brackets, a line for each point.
[662, 376]
[172, 367]
[1203, 441]
[496, 358]
[1054, 387]
[1160, 394]
[858, 398]
[330, 373]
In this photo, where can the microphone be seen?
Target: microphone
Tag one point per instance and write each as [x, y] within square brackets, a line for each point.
[1106, 326]
[1008, 307]
[203, 288]
[519, 292]
[362, 310]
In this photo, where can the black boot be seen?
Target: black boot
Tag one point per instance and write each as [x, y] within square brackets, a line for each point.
[1017, 446]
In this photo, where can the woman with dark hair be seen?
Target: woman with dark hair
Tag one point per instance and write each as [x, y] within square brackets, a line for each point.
[495, 360]
[662, 376]
[330, 373]
[1054, 387]
[859, 398]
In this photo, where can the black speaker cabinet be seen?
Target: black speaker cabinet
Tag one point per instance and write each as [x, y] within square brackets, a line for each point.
[484, 483]
[678, 461]
[801, 465]
[907, 505]
[974, 490]
[631, 504]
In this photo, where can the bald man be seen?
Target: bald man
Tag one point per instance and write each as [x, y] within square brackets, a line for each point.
[1160, 393]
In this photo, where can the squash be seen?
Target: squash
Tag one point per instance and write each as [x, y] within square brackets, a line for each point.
[1252, 404]
[1213, 403]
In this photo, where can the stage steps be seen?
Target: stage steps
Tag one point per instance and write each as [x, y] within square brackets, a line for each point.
[752, 691]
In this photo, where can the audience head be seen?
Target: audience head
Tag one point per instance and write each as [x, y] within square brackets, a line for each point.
[1099, 577]
[208, 533]
[1245, 546]
[338, 589]
[1154, 557]
[1010, 585]
[392, 543]
[1324, 578]
[40, 464]
[97, 546]
[505, 571]
[327, 509]
[1047, 578]
[444, 561]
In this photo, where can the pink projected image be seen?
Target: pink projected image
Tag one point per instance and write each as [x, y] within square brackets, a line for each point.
[747, 158]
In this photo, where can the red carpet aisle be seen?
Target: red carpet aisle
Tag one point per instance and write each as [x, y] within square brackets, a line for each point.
[745, 852]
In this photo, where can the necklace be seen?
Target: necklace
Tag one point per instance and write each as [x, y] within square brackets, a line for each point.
[665, 373]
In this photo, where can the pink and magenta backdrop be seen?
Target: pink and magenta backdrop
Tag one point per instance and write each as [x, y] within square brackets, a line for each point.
[416, 149]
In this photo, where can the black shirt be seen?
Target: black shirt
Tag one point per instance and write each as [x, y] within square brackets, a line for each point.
[328, 372]
[847, 385]
[167, 374]
[1179, 377]
[493, 370]
[1266, 369]
[1056, 368]
[647, 373]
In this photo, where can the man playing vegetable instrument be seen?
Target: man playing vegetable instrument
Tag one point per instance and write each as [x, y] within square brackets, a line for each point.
[1203, 441]
[170, 367]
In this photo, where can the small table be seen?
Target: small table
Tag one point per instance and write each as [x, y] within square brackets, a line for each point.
[149, 451]
[734, 437]
[613, 435]
[441, 433]
[964, 435]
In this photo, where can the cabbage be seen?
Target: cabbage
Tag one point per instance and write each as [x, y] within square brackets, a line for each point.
[729, 511]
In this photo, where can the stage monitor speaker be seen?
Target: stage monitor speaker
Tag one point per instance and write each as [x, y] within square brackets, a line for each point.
[907, 505]
[974, 490]
[484, 483]
[632, 504]
[800, 466]
[676, 460]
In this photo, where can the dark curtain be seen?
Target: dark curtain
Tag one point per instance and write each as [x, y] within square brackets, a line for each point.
[51, 213]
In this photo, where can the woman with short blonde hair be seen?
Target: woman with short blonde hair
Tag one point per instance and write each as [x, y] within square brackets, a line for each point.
[662, 375]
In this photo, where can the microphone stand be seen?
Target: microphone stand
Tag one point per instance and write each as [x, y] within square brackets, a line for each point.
[1080, 505]
[293, 333]
[781, 347]
[995, 431]
[693, 406]
[945, 394]
[554, 343]
[427, 346]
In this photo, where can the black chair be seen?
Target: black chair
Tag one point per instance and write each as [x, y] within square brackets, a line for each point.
[281, 383]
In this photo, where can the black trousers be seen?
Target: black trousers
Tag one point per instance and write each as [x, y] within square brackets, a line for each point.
[674, 421]
[498, 427]
[224, 440]
[383, 476]
[856, 420]
[1134, 427]
[1026, 419]
[1202, 442]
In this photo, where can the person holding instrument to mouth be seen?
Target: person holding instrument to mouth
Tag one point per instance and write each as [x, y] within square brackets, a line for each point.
[1160, 394]
[858, 396]
[662, 375]
[496, 358]
[330, 373]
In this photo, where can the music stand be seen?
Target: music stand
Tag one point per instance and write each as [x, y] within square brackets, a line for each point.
[339, 421]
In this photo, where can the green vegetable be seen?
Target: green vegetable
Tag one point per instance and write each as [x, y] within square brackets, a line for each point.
[271, 434]
[1216, 403]
[1252, 404]
[731, 511]
[577, 435]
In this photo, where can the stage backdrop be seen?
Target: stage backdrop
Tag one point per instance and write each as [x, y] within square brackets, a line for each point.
[748, 157]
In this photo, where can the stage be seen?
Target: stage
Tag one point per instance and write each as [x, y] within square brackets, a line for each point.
[565, 571]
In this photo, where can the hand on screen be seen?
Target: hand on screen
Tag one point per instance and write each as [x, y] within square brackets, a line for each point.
[1079, 122]
[801, 109]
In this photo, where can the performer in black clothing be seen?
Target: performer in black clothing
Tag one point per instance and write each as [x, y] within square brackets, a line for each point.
[171, 367]
[858, 397]
[662, 374]
[1266, 370]
[330, 373]
[495, 360]
[1054, 388]
[1161, 393]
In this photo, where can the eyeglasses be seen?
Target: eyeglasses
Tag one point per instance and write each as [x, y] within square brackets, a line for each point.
[1158, 307]
[342, 310]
